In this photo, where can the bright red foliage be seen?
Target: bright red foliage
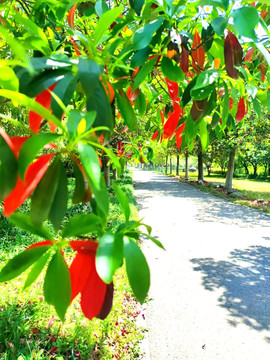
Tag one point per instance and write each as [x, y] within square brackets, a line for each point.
[43, 99]
[85, 279]
[23, 189]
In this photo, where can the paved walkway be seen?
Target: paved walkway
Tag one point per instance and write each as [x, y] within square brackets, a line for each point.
[210, 289]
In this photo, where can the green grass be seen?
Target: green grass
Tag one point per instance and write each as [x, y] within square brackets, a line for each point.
[30, 329]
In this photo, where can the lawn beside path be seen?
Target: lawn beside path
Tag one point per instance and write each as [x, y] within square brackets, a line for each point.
[210, 289]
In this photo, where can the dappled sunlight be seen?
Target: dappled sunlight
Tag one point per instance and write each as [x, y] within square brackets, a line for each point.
[245, 282]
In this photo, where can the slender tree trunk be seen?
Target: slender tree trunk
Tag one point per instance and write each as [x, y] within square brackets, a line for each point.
[209, 170]
[114, 174]
[200, 162]
[229, 176]
[166, 166]
[170, 165]
[177, 164]
[255, 167]
[106, 167]
[186, 165]
[246, 169]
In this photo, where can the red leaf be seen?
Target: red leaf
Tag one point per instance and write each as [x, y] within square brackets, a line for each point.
[241, 110]
[173, 89]
[198, 54]
[107, 304]
[43, 99]
[172, 122]
[184, 61]
[249, 55]
[41, 243]
[85, 280]
[71, 16]
[155, 135]
[179, 141]
[15, 143]
[132, 96]
[23, 189]
[233, 54]
[231, 103]
[75, 46]
[93, 295]
[178, 135]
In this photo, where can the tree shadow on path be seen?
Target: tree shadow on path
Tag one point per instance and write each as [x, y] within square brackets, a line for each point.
[209, 208]
[245, 280]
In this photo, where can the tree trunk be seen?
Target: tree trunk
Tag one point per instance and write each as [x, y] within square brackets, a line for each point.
[246, 169]
[106, 170]
[229, 176]
[170, 165]
[166, 166]
[114, 174]
[177, 164]
[200, 162]
[186, 166]
[255, 167]
[209, 170]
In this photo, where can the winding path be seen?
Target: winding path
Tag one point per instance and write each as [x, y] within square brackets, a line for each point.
[210, 289]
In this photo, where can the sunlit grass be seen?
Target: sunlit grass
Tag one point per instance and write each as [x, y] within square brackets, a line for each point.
[30, 329]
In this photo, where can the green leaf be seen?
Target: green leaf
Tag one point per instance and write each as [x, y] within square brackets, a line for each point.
[101, 7]
[79, 191]
[245, 20]
[219, 24]
[171, 69]
[31, 104]
[155, 241]
[226, 106]
[137, 5]
[111, 155]
[32, 86]
[99, 103]
[257, 107]
[90, 163]
[204, 135]
[31, 148]
[92, 172]
[8, 169]
[137, 269]
[109, 256]
[143, 72]
[207, 37]
[105, 22]
[16, 47]
[268, 100]
[64, 90]
[264, 51]
[81, 224]
[89, 72]
[59, 205]
[122, 199]
[140, 103]
[126, 110]
[75, 118]
[24, 222]
[43, 196]
[144, 35]
[140, 57]
[36, 269]
[57, 285]
[205, 84]
[8, 78]
[186, 96]
[21, 262]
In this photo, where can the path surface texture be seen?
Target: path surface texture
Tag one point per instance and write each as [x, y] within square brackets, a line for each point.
[210, 289]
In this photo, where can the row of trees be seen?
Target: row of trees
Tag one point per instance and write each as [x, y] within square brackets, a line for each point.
[106, 77]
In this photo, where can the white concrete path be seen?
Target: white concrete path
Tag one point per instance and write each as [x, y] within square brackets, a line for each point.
[210, 289]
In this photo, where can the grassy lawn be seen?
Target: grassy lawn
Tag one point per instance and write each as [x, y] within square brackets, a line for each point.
[252, 190]
[30, 329]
